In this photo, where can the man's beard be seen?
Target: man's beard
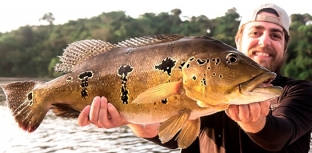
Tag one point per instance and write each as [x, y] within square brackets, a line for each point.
[275, 64]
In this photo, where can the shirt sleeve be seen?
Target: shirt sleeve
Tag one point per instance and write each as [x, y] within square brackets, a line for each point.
[290, 120]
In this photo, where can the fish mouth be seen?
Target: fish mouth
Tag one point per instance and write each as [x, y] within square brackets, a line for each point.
[259, 84]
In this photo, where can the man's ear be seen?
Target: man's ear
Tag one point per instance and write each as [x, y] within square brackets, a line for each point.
[237, 42]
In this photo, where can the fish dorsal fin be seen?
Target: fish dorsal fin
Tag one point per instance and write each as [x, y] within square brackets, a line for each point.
[79, 51]
[148, 40]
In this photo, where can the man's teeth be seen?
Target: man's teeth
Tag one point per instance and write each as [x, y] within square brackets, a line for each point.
[262, 54]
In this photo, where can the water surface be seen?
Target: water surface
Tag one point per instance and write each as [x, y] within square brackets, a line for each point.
[62, 135]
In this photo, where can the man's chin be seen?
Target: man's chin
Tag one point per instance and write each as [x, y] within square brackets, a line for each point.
[268, 64]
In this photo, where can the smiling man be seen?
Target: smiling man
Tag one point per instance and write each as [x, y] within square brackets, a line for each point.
[282, 125]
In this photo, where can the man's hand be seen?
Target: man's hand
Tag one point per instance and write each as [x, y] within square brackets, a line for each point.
[105, 115]
[101, 114]
[251, 117]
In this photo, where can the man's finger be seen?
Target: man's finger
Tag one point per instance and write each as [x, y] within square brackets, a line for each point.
[232, 112]
[254, 113]
[83, 118]
[244, 114]
[265, 107]
[104, 120]
[94, 111]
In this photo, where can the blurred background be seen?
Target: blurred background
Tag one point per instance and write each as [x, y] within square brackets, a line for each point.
[34, 32]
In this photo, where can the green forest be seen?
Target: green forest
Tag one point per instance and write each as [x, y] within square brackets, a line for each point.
[32, 51]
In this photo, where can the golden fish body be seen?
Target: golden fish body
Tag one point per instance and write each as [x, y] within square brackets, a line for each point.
[164, 78]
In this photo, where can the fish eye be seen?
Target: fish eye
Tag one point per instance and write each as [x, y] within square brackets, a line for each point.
[231, 58]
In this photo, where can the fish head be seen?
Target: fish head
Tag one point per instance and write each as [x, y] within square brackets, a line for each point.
[222, 76]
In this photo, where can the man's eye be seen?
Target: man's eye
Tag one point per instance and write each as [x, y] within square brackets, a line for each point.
[276, 36]
[254, 33]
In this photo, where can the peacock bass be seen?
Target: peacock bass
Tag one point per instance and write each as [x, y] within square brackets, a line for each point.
[169, 79]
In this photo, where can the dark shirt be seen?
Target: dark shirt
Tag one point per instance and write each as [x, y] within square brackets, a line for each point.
[287, 130]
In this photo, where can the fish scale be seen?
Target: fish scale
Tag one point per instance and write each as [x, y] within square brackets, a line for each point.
[169, 79]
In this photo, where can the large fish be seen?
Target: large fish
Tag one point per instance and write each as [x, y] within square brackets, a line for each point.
[171, 79]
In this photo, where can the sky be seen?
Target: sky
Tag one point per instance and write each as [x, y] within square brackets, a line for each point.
[17, 13]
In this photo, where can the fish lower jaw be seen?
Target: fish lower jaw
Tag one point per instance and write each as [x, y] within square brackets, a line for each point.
[258, 94]
[262, 79]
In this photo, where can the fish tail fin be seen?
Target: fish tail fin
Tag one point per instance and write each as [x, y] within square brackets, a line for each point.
[19, 97]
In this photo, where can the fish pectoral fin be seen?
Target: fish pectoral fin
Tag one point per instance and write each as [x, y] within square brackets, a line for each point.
[169, 128]
[159, 92]
[189, 133]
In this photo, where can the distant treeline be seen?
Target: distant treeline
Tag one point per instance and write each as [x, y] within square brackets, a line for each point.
[31, 51]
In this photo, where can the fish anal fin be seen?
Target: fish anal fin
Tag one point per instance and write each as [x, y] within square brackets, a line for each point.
[169, 128]
[159, 92]
[64, 110]
[27, 113]
[189, 133]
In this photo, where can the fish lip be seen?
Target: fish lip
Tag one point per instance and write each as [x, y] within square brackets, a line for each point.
[250, 85]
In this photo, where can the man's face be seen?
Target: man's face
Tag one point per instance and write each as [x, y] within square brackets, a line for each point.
[264, 43]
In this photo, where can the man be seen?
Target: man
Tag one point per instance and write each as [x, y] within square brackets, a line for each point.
[280, 125]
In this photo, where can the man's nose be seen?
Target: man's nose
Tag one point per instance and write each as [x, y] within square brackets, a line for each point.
[264, 40]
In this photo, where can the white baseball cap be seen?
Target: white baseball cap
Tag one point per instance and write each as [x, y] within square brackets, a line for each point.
[282, 19]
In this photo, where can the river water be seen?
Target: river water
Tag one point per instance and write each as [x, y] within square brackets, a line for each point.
[62, 135]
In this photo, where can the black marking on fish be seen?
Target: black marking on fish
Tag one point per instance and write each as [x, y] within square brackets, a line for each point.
[84, 92]
[87, 74]
[220, 76]
[192, 58]
[128, 51]
[200, 62]
[166, 65]
[181, 65]
[84, 83]
[29, 96]
[208, 60]
[164, 101]
[31, 103]
[208, 68]
[188, 65]
[84, 77]
[124, 94]
[203, 81]
[217, 61]
[194, 78]
[214, 74]
[70, 78]
[124, 72]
